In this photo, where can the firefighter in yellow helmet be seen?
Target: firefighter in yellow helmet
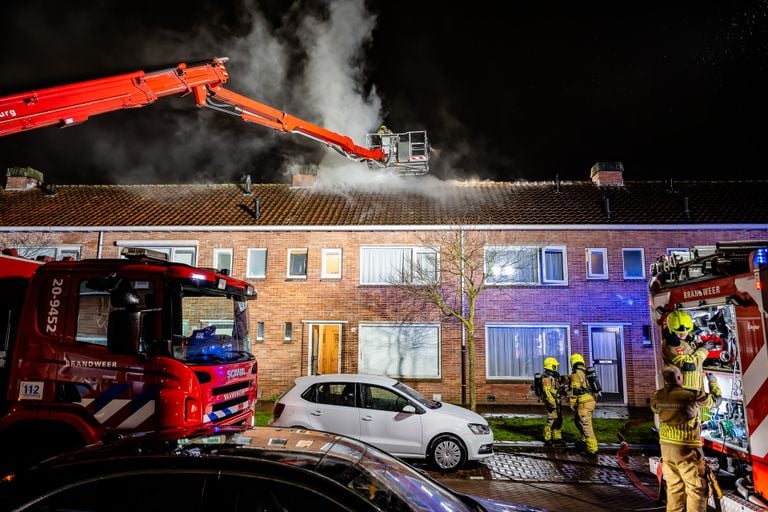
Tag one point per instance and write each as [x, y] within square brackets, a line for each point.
[683, 463]
[583, 400]
[679, 347]
[552, 390]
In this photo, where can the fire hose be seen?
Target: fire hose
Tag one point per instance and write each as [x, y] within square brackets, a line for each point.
[622, 458]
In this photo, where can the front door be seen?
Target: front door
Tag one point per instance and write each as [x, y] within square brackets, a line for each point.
[325, 342]
[606, 344]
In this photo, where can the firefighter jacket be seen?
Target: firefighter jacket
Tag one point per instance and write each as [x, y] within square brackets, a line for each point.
[685, 356]
[580, 390]
[551, 387]
[678, 410]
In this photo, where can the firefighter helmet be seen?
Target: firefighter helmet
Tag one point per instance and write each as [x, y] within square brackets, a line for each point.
[551, 364]
[576, 359]
[679, 321]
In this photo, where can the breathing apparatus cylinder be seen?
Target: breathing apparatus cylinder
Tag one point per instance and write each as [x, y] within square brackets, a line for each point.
[593, 380]
[537, 386]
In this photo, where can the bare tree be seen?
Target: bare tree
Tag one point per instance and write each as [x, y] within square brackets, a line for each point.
[29, 244]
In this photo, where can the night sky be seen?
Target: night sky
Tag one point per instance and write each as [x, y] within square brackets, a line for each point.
[673, 89]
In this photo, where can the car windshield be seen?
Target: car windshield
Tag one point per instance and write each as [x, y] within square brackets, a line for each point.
[417, 397]
[213, 327]
[387, 482]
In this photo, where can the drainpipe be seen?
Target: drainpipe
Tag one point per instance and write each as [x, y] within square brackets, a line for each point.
[463, 327]
[101, 244]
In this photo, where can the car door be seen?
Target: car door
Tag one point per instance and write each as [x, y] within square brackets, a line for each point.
[384, 424]
[333, 408]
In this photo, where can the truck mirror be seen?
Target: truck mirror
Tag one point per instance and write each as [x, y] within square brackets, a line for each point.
[124, 298]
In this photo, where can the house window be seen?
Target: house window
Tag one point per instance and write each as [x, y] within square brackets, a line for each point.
[177, 251]
[597, 263]
[526, 265]
[259, 331]
[398, 265]
[634, 263]
[297, 263]
[288, 331]
[331, 264]
[56, 252]
[257, 263]
[222, 260]
[679, 253]
[518, 351]
[401, 350]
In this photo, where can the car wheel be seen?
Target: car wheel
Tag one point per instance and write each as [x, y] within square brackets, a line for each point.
[447, 453]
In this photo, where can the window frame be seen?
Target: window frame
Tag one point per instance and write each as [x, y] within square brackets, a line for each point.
[250, 255]
[540, 269]
[224, 251]
[171, 247]
[366, 352]
[260, 330]
[562, 357]
[624, 251]
[415, 251]
[288, 332]
[591, 274]
[297, 251]
[326, 253]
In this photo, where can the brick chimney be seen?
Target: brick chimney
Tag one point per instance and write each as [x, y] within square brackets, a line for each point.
[23, 178]
[609, 174]
[305, 177]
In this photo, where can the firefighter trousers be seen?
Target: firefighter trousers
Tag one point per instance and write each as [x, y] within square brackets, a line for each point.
[685, 474]
[554, 424]
[583, 420]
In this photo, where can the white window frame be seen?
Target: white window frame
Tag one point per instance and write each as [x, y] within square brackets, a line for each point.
[539, 352]
[411, 255]
[592, 273]
[252, 252]
[326, 254]
[541, 277]
[55, 251]
[288, 331]
[624, 251]
[380, 345]
[260, 330]
[175, 249]
[224, 252]
[297, 251]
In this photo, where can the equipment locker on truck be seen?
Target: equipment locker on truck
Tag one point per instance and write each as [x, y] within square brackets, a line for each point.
[723, 289]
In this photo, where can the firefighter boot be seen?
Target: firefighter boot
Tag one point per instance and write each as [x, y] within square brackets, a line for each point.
[547, 435]
[557, 437]
[591, 446]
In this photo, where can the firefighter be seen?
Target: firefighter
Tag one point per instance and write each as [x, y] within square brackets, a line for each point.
[383, 130]
[552, 390]
[683, 463]
[583, 400]
[679, 347]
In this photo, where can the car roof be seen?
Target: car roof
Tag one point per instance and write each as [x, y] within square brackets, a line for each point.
[347, 377]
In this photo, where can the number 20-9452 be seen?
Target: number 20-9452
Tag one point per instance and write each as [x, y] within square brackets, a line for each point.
[53, 305]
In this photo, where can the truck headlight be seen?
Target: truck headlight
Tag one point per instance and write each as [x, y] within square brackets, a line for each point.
[479, 428]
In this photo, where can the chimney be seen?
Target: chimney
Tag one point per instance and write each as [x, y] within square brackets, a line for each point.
[23, 178]
[305, 177]
[609, 174]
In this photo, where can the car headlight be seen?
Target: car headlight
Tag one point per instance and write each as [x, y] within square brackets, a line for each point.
[479, 428]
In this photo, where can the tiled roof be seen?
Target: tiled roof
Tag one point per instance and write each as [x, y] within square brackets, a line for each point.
[445, 203]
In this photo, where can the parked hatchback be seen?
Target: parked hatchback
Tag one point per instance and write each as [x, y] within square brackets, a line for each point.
[387, 414]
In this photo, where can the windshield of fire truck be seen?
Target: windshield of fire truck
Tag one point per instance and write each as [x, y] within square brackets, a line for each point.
[212, 327]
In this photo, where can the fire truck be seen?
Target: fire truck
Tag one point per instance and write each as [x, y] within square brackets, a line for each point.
[723, 288]
[101, 347]
[70, 105]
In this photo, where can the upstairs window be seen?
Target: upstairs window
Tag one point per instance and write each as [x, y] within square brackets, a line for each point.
[257, 263]
[526, 265]
[297, 263]
[399, 265]
[331, 268]
[634, 263]
[222, 260]
[597, 263]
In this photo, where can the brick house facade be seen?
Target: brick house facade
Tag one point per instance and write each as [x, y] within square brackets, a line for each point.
[589, 245]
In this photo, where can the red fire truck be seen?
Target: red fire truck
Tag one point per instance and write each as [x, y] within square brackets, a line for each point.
[95, 347]
[723, 288]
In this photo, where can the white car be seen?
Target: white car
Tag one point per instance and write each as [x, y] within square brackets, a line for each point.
[387, 414]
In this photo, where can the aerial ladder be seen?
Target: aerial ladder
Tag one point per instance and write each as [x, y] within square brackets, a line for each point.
[72, 104]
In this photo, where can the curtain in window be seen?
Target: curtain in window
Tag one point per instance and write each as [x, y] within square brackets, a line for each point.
[384, 265]
[514, 351]
[399, 350]
[553, 265]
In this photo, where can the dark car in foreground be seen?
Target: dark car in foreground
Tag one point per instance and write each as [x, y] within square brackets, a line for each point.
[233, 469]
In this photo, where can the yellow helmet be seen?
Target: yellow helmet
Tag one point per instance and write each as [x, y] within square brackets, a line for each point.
[679, 321]
[576, 359]
[551, 363]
